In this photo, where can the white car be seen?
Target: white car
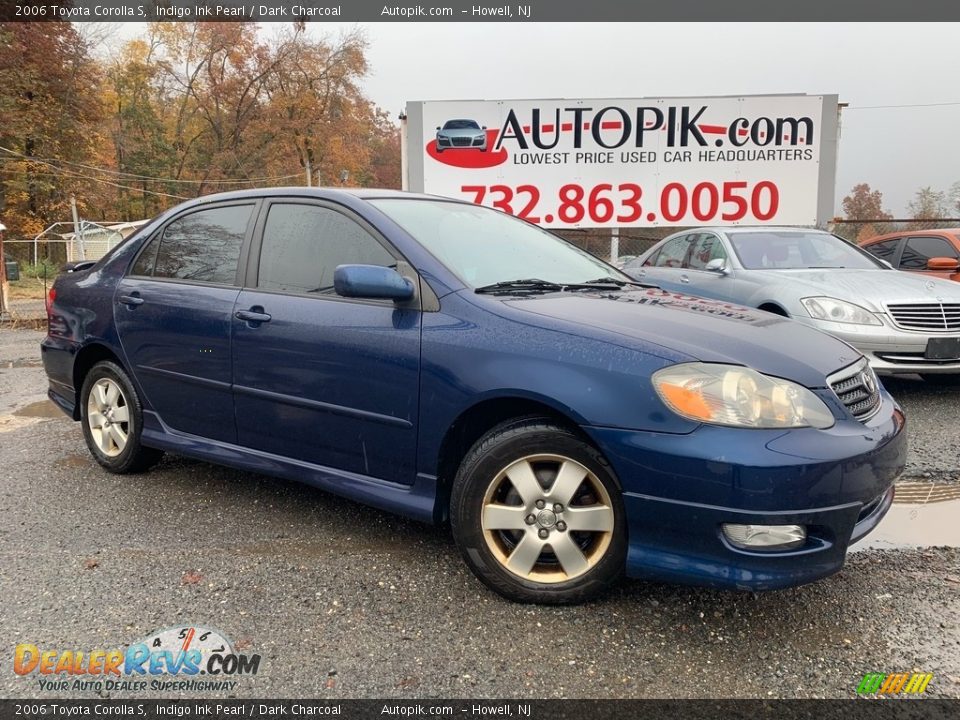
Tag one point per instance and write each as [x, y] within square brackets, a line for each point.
[902, 323]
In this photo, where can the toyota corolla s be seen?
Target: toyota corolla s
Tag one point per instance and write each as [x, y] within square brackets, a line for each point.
[448, 362]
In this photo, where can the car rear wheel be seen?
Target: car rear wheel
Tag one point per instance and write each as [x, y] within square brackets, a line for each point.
[112, 419]
[537, 514]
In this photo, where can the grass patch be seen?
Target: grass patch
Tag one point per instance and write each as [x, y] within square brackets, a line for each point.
[30, 288]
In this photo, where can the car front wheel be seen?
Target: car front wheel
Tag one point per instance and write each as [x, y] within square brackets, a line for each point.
[112, 419]
[537, 514]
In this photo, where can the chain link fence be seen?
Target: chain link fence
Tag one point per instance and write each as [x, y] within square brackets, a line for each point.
[859, 230]
[629, 242]
[39, 260]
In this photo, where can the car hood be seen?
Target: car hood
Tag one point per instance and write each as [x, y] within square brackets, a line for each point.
[869, 288]
[706, 330]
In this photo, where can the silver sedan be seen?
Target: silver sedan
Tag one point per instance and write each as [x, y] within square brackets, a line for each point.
[902, 322]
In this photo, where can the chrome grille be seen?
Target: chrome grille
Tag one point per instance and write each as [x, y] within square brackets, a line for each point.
[926, 316]
[858, 389]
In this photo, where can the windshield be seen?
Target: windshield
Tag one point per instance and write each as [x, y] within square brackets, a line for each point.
[797, 250]
[461, 125]
[484, 246]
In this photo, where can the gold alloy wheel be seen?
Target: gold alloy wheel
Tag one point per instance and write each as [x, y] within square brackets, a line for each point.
[547, 518]
[108, 417]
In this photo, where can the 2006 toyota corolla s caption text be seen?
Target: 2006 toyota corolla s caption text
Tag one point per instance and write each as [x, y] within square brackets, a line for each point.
[448, 362]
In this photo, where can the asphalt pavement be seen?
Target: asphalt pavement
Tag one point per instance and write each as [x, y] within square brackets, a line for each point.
[344, 601]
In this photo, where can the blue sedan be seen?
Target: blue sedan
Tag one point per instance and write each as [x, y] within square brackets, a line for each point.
[450, 363]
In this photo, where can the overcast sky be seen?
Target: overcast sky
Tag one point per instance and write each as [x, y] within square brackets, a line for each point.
[896, 150]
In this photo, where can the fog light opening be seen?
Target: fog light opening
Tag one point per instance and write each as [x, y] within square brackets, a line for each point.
[765, 537]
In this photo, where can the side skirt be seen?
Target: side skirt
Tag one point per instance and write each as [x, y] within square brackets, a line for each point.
[416, 501]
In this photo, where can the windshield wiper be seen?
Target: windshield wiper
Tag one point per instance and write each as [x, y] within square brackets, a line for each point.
[537, 285]
[616, 281]
[528, 285]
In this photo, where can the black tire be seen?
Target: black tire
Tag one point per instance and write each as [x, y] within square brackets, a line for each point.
[133, 457]
[942, 380]
[491, 455]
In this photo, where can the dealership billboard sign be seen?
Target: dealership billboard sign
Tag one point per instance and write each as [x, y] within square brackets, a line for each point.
[631, 162]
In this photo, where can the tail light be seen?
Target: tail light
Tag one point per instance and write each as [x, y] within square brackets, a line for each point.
[51, 296]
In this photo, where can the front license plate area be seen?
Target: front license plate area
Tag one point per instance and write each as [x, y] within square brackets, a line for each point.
[943, 349]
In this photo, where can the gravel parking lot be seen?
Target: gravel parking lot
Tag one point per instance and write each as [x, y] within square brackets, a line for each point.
[345, 601]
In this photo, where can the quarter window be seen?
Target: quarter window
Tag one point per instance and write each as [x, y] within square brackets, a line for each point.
[920, 249]
[304, 244]
[886, 250]
[147, 258]
[203, 246]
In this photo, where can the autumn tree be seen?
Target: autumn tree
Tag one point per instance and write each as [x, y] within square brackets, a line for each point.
[187, 109]
[383, 170]
[928, 203]
[140, 145]
[49, 109]
[315, 106]
[864, 204]
[953, 195]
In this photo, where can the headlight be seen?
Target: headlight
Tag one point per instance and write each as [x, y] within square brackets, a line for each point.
[825, 308]
[738, 397]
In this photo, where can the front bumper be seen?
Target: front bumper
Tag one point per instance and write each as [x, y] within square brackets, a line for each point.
[460, 143]
[678, 490]
[889, 349]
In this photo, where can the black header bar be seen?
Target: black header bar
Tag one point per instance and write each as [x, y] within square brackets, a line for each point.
[486, 709]
[479, 11]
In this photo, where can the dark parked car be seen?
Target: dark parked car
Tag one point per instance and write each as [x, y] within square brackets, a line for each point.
[449, 362]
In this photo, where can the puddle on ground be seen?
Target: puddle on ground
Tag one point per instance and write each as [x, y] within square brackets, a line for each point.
[922, 515]
[28, 415]
[42, 409]
[75, 461]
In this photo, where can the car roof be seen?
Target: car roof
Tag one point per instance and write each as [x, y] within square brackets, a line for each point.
[754, 229]
[938, 232]
[324, 193]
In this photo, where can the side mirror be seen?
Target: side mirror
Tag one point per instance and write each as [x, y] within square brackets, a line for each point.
[943, 263]
[718, 265]
[371, 281]
[438, 127]
[484, 127]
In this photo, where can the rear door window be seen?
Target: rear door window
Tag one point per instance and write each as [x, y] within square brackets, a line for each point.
[203, 246]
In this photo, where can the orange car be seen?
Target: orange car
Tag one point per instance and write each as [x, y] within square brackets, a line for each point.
[931, 252]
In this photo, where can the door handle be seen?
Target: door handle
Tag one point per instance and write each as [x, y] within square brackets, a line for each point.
[684, 279]
[131, 301]
[253, 315]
